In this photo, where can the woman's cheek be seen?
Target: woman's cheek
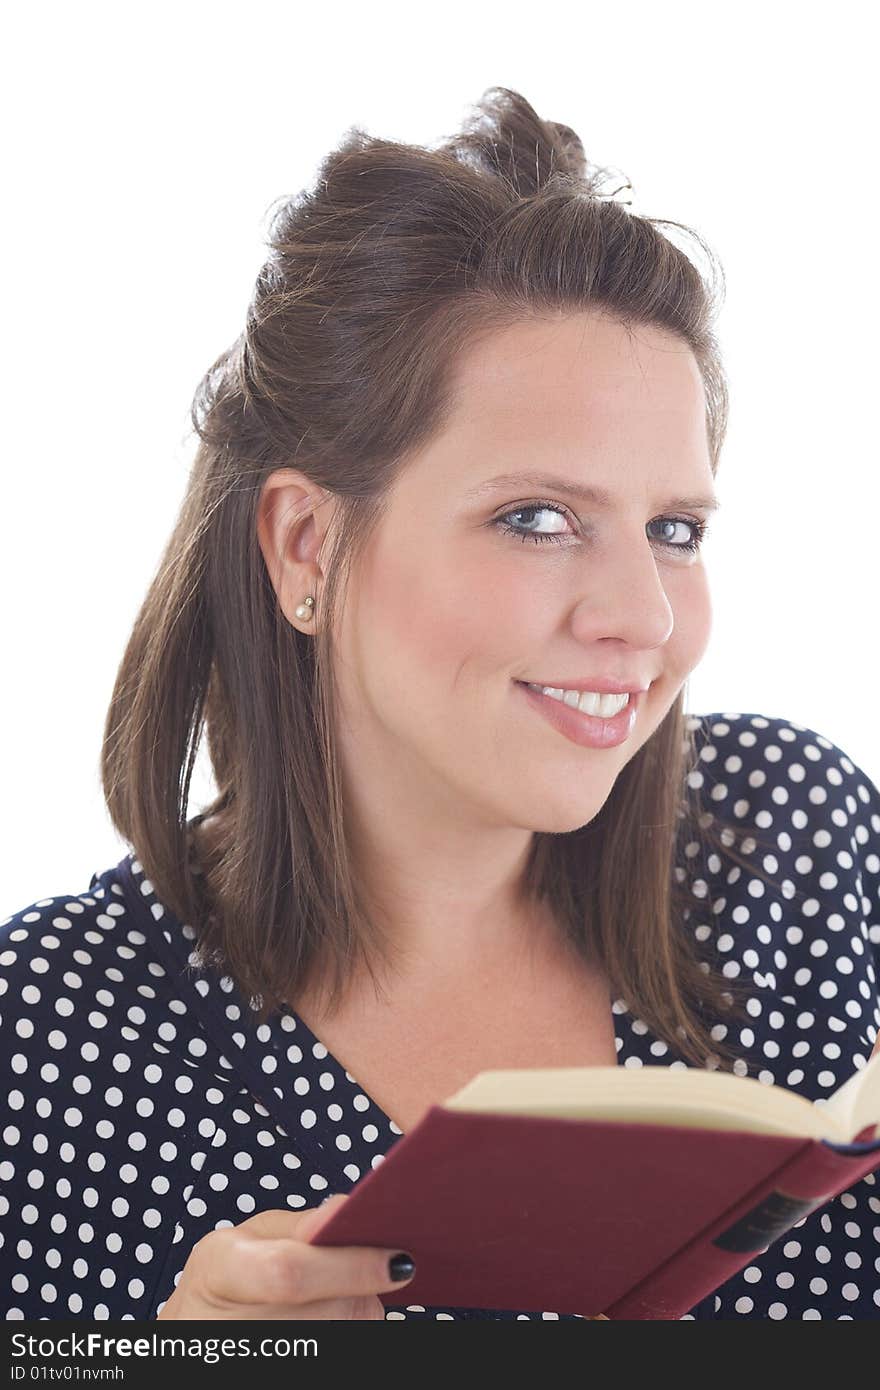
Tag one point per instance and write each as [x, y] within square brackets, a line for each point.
[692, 613]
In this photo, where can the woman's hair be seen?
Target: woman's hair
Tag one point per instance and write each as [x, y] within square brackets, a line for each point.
[375, 281]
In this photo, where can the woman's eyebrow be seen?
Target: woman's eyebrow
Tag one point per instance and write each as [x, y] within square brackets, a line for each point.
[584, 492]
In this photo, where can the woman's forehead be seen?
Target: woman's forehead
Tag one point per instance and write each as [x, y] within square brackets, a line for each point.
[576, 402]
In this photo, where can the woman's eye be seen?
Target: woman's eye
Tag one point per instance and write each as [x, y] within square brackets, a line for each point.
[523, 530]
[670, 526]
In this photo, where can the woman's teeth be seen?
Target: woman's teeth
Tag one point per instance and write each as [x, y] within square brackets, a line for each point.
[587, 701]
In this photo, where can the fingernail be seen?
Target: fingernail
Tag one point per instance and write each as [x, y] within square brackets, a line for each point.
[401, 1267]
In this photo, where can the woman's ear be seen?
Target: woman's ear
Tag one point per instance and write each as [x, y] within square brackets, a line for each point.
[293, 514]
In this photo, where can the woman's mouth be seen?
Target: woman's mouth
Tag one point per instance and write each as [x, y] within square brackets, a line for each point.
[587, 730]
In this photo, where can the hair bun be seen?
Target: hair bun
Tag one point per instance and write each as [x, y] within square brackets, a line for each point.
[505, 135]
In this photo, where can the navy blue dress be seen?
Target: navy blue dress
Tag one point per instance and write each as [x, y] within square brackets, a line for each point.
[140, 1108]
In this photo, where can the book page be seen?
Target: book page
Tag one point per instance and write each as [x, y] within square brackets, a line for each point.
[856, 1103]
[696, 1098]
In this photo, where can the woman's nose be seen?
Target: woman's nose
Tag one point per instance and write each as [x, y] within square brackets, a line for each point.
[624, 595]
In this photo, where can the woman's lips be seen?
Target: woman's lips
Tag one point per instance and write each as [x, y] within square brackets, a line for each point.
[587, 730]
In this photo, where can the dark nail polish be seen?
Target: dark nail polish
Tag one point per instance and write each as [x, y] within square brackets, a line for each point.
[401, 1267]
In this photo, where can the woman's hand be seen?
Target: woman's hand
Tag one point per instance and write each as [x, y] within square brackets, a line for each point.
[266, 1268]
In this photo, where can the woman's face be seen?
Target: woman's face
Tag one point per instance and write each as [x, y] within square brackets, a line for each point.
[449, 611]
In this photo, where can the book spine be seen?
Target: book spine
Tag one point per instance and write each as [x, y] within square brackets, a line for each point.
[817, 1173]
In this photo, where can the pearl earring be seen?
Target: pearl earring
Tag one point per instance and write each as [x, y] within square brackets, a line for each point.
[305, 609]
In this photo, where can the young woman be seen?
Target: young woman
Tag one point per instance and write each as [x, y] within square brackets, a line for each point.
[434, 593]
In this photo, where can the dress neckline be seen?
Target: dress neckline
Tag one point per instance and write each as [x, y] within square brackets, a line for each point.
[285, 1029]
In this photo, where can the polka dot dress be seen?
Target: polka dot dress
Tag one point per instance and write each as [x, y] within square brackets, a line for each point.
[141, 1107]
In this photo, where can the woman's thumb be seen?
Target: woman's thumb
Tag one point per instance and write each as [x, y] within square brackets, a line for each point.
[316, 1217]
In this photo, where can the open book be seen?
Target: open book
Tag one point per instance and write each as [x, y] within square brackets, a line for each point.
[628, 1192]
[654, 1095]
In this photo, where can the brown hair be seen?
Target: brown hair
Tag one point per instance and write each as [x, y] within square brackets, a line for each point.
[374, 282]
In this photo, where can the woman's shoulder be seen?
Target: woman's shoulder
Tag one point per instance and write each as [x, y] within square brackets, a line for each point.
[800, 889]
[747, 759]
[54, 933]
[58, 931]
[91, 965]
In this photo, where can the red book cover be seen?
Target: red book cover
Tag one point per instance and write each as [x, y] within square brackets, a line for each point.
[816, 1173]
[544, 1214]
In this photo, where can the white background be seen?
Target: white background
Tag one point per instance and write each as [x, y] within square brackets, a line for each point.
[143, 150]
